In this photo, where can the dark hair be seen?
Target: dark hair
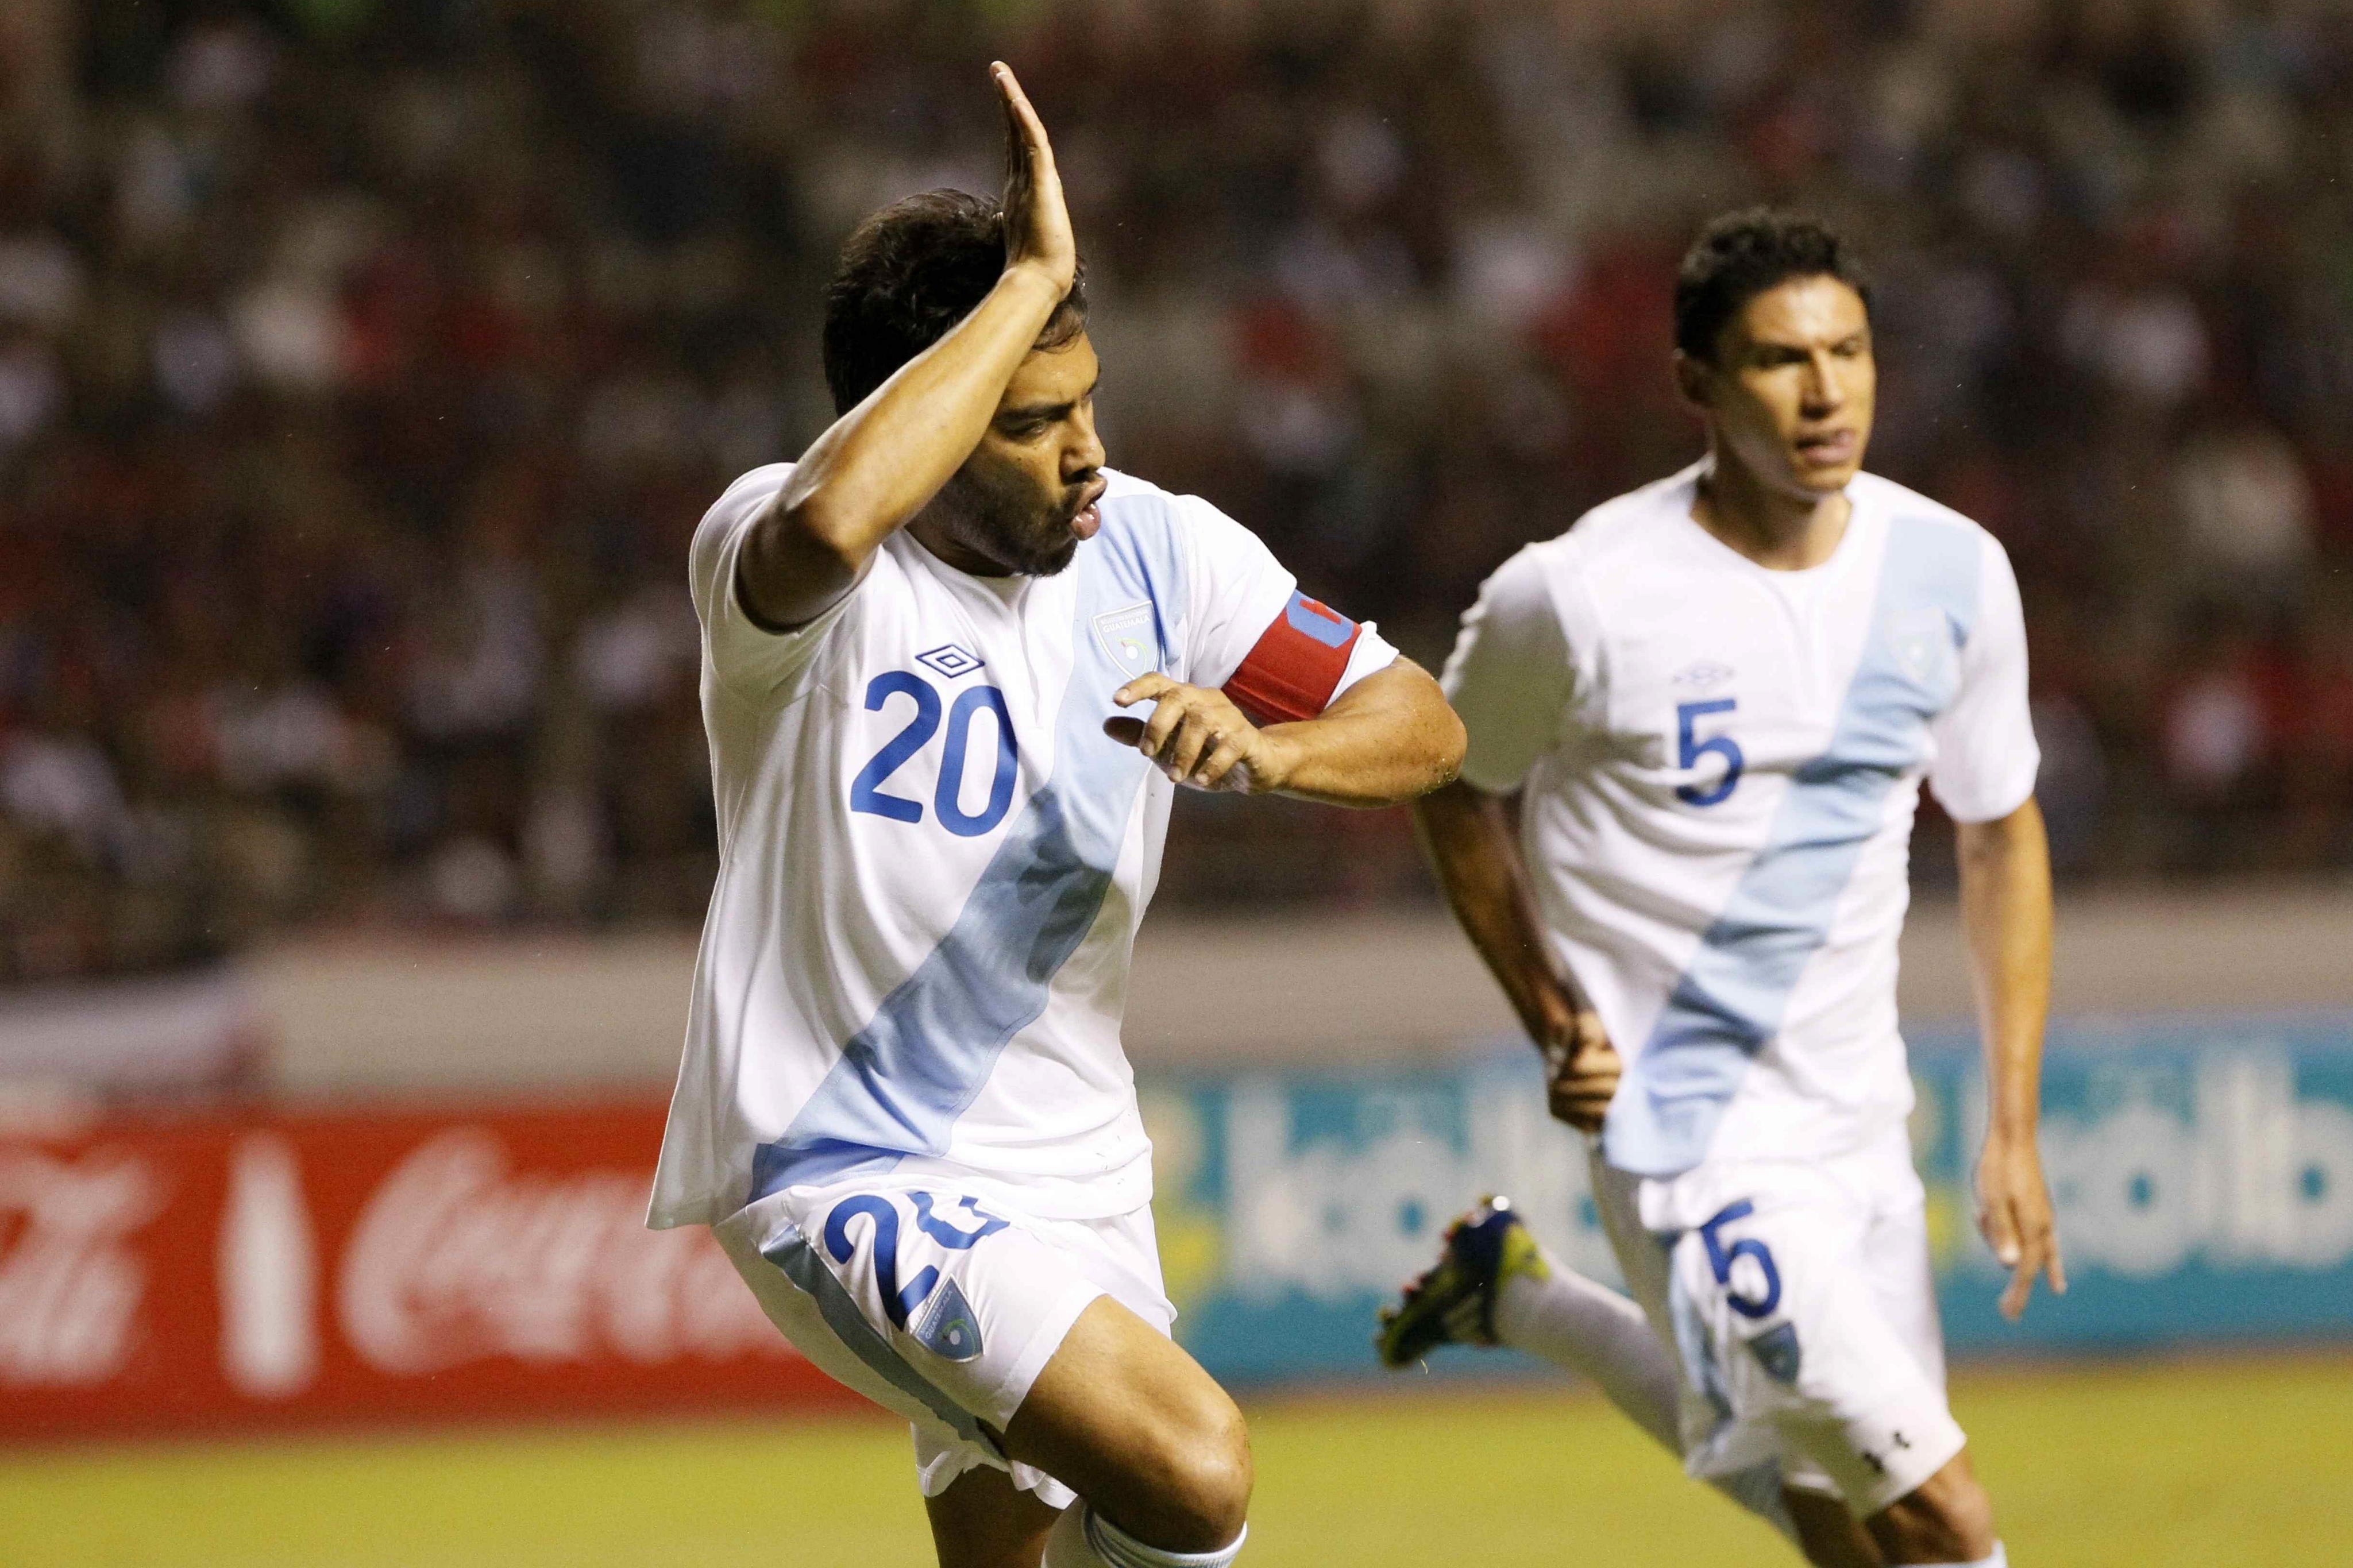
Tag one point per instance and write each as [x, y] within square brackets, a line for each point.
[1739, 255]
[910, 273]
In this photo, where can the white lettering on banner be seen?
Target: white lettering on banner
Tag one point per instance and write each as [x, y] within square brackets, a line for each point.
[2214, 1157]
[1337, 1218]
[456, 1257]
[70, 1284]
[2251, 1175]
[268, 1273]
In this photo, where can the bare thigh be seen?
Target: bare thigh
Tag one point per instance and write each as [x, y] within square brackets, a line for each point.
[1127, 1420]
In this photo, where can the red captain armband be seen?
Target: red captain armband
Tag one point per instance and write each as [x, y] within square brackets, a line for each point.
[1297, 664]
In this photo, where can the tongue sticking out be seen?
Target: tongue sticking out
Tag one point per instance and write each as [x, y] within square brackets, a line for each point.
[1085, 523]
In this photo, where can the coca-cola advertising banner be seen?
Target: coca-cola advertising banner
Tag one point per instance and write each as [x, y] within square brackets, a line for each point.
[251, 1271]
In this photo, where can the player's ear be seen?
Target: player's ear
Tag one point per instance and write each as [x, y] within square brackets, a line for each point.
[1691, 378]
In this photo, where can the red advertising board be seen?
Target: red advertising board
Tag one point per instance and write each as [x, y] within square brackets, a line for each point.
[251, 1271]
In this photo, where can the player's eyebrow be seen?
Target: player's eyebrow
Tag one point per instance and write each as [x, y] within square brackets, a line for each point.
[1049, 410]
[1773, 348]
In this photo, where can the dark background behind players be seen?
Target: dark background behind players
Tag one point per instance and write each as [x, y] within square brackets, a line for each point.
[363, 365]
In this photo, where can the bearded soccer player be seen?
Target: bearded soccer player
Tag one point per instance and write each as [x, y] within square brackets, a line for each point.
[1715, 700]
[952, 668]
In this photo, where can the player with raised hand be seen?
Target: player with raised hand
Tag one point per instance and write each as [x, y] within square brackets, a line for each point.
[903, 1107]
[1715, 699]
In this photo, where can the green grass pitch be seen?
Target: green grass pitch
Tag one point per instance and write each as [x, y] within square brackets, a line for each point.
[2135, 1464]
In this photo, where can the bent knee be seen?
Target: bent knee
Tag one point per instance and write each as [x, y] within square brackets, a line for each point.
[1203, 1460]
[1948, 1519]
[1969, 1519]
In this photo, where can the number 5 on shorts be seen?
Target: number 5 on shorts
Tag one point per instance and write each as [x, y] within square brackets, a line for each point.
[1721, 1258]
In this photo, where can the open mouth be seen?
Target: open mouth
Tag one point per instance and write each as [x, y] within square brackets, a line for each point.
[1828, 448]
[1089, 517]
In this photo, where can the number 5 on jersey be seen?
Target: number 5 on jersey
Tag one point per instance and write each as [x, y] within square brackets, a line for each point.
[1690, 747]
[866, 791]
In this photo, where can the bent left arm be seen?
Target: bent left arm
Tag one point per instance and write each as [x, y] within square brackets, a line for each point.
[2006, 911]
[1385, 741]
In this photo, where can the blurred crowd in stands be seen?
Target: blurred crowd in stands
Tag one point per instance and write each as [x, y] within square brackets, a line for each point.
[365, 364]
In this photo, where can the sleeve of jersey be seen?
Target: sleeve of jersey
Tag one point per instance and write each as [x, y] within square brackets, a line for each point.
[1986, 756]
[1308, 655]
[1279, 655]
[1511, 676]
[747, 657]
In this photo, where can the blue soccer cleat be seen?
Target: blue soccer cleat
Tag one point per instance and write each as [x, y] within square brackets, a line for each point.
[1454, 1303]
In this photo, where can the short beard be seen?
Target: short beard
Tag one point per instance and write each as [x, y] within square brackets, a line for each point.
[1031, 547]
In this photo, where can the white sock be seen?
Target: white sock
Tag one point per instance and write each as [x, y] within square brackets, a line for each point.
[1082, 1538]
[1999, 1559]
[1587, 1328]
[1590, 1329]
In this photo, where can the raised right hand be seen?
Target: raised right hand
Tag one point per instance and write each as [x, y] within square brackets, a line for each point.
[1037, 223]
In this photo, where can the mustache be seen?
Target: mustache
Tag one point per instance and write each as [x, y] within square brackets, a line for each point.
[1080, 494]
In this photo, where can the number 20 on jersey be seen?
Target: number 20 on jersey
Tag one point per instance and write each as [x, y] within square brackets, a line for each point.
[866, 791]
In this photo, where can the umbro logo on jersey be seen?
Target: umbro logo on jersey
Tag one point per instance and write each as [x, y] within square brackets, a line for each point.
[950, 660]
[1701, 676]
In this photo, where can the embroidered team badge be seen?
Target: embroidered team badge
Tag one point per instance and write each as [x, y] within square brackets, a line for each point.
[1776, 1351]
[950, 1329]
[1127, 638]
[1922, 643]
[951, 660]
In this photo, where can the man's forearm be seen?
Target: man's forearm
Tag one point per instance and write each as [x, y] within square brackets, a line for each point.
[1468, 840]
[2006, 911]
[1389, 738]
[878, 465]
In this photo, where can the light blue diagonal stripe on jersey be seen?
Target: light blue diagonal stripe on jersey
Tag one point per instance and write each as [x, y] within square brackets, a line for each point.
[903, 1080]
[792, 1253]
[1729, 1002]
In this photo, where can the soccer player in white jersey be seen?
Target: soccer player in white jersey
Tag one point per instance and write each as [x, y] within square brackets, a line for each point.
[903, 1108]
[1715, 699]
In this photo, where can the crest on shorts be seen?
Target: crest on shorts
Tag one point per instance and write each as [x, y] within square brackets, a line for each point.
[1127, 638]
[1776, 1351]
[949, 1329]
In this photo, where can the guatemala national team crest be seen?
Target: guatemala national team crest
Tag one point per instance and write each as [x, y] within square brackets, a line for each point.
[950, 1329]
[1126, 637]
[1921, 642]
[1777, 1351]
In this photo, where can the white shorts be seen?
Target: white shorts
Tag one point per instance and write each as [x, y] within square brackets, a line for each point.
[939, 1305]
[1800, 1307]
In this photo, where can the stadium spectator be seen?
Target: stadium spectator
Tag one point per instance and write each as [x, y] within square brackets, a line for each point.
[361, 367]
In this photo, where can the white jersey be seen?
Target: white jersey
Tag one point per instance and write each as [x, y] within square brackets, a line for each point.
[1721, 763]
[933, 860]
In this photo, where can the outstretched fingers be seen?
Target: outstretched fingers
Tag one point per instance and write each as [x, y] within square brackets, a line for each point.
[2036, 1253]
[1025, 134]
[1037, 222]
[2025, 1241]
[1011, 101]
[1195, 736]
[1216, 770]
